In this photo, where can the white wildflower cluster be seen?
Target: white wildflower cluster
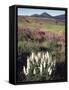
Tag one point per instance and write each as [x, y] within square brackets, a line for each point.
[42, 60]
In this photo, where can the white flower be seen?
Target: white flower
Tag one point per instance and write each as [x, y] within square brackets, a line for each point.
[47, 55]
[28, 62]
[54, 63]
[49, 60]
[28, 65]
[39, 55]
[43, 56]
[24, 70]
[49, 70]
[41, 68]
[28, 70]
[44, 64]
[32, 56]
[36, 58]
[34, 71]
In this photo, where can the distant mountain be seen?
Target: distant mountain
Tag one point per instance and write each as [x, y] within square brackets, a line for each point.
[43, 15]
[46, 15]
[35, 15]
[60, 17]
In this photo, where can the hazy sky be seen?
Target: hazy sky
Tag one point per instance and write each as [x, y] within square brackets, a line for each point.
[27, 11]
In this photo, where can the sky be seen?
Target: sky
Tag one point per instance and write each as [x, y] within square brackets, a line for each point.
[28, 11]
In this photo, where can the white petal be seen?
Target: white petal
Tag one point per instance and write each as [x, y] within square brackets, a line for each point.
[50, 72]
[34, 71]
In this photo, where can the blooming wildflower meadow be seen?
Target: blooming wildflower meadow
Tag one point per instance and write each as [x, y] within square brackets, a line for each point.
[41, 47]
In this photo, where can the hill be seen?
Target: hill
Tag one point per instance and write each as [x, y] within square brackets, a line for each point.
[43, 15]
[60, 17]
[46, 15]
